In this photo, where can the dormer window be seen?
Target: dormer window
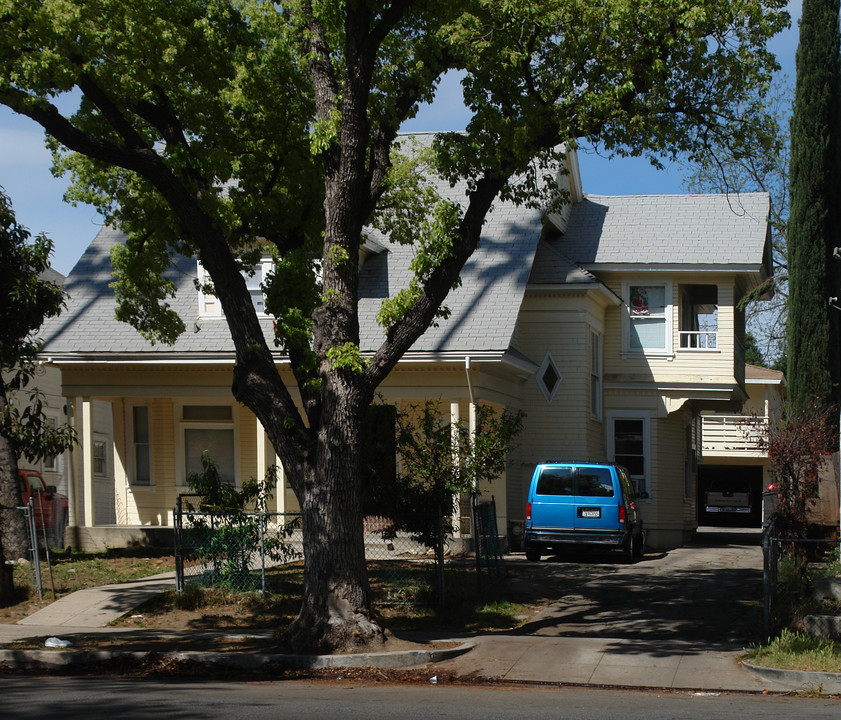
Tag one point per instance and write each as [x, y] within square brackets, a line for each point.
[209, 305]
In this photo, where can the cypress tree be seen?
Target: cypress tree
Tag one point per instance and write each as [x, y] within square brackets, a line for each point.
[814, 329]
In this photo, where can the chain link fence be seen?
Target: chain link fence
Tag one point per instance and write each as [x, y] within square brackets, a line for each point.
[37, 538]
[253, 551]
[792, 568]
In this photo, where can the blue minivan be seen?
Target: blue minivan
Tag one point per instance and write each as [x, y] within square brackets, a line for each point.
[582, 504]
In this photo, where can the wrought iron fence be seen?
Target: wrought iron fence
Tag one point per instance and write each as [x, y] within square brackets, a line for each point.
[791, 568]
[489, 559]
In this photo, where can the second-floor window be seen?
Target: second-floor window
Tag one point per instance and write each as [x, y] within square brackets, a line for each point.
[209, 305]
[649, 320]
[698, 317]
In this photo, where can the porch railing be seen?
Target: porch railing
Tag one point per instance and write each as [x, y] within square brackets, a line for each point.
[698, 340]
[731, 434]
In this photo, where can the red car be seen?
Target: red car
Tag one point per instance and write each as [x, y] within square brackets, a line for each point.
[50, 506]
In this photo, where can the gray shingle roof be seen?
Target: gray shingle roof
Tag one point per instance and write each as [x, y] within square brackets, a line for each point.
[694, 229]
[483, 310]
[667, 229]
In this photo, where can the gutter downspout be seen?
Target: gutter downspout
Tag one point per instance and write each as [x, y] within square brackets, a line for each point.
[469, 384]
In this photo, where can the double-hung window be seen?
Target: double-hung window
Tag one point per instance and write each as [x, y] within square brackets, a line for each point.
[648, 326]
[595, 375]
[51, 463]
[210, 429]
[209, 305]
[140, 459]
[629, 446]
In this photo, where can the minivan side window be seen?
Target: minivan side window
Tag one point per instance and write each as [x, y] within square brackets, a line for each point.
[595, 482]
[556, 481]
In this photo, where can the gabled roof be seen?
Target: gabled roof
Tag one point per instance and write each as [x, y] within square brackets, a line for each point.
[483, 309]
[663, 230]
[602, 231]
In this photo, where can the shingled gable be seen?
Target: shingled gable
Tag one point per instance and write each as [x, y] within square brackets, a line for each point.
[483, 309]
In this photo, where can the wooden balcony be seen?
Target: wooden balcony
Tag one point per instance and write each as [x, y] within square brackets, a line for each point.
[731, 436]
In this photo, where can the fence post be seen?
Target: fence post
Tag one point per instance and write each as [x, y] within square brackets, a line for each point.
[766, 584]
[478, 531]
[33, 540]
[179, 560]
[439, 556]
[263, 520]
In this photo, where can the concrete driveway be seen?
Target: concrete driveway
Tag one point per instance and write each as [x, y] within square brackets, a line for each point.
[707, 594]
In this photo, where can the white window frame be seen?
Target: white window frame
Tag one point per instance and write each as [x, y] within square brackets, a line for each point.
[668, 317]
[596, 362]
[100, 440]
[130, 446]
[612, 417]
[209, 305]
[54, 463]
[549, 362]
[184, 425]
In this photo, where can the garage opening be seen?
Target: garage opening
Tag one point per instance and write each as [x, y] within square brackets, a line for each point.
[730, 496]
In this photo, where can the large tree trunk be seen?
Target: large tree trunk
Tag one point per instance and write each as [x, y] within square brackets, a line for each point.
[336, 610]
[12, 525]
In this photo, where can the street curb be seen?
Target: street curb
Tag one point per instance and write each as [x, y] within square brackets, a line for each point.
[828, 683]
[55, 659]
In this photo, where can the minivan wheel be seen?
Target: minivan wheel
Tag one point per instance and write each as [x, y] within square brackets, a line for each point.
[533, 555]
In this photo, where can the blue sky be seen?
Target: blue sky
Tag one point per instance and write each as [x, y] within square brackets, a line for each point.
[37, 196]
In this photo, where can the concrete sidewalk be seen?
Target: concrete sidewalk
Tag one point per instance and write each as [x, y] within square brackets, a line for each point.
[97, 607]
[585, 636]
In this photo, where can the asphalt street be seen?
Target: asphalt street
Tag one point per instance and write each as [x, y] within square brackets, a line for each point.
[33, 698]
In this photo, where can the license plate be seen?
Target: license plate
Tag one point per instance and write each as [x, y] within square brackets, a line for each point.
[590, 512]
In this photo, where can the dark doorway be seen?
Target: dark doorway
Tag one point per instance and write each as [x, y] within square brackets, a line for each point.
[725, 486]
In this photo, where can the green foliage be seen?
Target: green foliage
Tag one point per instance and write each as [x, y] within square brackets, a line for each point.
[347, 357]
[797, 445]
[438, 460]
[814, 227]
[753, 354]
[206, 127]
[799, 568]
[229, 527]
[798, 651]
[26, 300]
[292, 293]
[140, 275]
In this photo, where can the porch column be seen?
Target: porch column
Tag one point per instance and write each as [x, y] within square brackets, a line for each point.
[261, 451]
[70, 455]
[87, 461]
[455, 416]
[472, 424]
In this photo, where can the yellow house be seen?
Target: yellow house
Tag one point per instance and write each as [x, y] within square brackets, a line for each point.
[613, 325]
[731, 455]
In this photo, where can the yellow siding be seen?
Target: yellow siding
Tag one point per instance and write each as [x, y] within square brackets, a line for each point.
[247, 443]
[684, 365]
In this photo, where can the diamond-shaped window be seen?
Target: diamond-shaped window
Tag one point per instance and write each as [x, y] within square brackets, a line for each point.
[549, 378]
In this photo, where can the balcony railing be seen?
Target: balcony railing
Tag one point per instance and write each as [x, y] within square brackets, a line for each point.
[698, 340]
[732, 434]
